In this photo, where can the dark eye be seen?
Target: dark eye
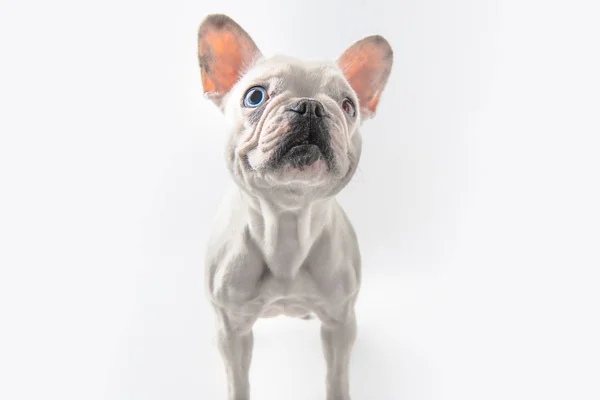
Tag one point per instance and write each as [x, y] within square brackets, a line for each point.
[348, 106]
[255, 96]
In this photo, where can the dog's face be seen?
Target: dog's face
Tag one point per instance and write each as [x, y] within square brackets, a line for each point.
[294, 121]
[291, 124]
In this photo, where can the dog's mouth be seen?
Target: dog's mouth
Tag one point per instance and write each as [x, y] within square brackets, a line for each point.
[299, 152]
[305, 144]
[302, 154]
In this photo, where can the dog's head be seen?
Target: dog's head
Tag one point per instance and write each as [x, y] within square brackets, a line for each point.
[292, 125]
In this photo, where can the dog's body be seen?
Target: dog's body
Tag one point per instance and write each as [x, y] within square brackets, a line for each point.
[282, 245]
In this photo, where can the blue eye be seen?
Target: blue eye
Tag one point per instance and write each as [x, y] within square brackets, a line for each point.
[255, 96]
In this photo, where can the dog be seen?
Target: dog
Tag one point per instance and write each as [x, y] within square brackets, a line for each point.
[281, 244]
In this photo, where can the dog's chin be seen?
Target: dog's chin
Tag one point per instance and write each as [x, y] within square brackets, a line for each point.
[315, 173]
[311, 175]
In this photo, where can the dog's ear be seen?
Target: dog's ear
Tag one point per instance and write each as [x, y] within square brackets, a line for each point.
[225, 52]
[367, 65]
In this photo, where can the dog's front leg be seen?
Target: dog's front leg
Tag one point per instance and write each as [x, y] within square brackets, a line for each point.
[338, 338]
[235, 342]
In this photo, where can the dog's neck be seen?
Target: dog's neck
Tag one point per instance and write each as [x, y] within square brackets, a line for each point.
[285, 231]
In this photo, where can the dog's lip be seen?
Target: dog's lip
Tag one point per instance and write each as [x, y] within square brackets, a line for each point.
[303, 146]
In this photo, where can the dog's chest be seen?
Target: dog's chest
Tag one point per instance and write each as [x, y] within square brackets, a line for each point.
[294, 298]
[286, 245]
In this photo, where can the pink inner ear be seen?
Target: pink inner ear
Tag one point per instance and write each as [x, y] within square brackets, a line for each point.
[366, 65]
[225, 51]
[224, 61]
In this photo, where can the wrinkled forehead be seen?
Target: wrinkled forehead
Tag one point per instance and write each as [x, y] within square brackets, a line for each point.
[301, 78]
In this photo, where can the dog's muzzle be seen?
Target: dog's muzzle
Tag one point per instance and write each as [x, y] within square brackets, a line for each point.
[308, 139]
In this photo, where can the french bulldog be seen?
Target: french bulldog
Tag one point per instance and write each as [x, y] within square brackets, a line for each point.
[282, 245]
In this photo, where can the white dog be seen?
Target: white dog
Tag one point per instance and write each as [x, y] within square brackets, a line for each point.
[282, 245]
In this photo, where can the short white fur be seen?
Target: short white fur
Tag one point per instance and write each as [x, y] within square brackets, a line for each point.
[281, 243]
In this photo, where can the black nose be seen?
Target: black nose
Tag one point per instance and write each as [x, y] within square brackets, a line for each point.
[310, 107]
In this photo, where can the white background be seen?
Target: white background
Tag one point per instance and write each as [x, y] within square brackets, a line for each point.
[476, 203]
